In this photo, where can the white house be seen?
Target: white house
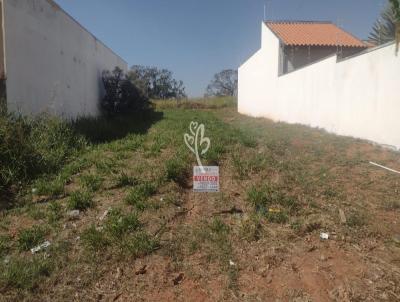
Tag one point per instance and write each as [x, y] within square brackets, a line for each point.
[49, 62]
[315, 73]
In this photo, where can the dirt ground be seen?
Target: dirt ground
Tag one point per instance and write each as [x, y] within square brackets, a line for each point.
[219, 246]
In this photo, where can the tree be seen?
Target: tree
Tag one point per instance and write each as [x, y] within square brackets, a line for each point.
[384, 29]
[157, 83]
[224, 83]
[121, 96]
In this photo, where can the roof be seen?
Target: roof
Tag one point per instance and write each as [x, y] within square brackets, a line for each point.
[313, 33]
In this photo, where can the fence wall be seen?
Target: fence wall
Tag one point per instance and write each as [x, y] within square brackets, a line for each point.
[52, 63]
[358, 97]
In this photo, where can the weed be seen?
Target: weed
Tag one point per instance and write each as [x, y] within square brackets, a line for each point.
[258, 197]
[138, 195]
[278, 217]
[124, 180]
[54, 212]
[117, 225]
[80, 200]
[52, 188]
[24, 273]
[250, 229]
[141, 244]
[4, 245]
[29, 238]
[93, 239]
[35, 212]
[91, 182]
[356, 219]
[177, 170]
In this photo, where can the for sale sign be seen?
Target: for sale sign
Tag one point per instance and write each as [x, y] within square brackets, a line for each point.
[206, 179]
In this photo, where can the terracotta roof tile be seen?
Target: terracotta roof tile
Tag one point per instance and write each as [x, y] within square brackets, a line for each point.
[313, 33]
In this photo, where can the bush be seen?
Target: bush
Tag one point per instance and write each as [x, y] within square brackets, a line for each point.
[122, 96]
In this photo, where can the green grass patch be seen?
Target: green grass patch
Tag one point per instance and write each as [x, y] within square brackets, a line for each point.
[91, 182]
[80, 200]
[29, 238]
[24, 273]
[139, 195]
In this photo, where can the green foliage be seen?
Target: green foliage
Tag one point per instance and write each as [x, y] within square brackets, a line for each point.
[80, 200]
[384, 29]
[31, 147]
[121, 96]
[177, 170]
[54, 212]
[140, 244]
[49, 187]
[117, 224]
[138, 195]
[124, 180]
[24, 273]
[224, 83]
[31, 237]
[4, 244]
[157, 83]
[91, 182]
[93, 239]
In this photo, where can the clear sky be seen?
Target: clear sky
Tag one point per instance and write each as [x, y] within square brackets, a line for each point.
[197, 38]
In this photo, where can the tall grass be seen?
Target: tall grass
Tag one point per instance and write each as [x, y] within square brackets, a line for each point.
[33, 146]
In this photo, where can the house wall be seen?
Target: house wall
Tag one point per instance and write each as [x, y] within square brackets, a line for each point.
[52, 63]
[357, 97]
[295, 57]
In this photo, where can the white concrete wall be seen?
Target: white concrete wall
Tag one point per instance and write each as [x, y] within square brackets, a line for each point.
[357, 97]
[52, 63]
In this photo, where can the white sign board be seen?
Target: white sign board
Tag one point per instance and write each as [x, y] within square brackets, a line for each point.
[206, 179]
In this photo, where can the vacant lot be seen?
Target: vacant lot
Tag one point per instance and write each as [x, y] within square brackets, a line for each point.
[141, 234]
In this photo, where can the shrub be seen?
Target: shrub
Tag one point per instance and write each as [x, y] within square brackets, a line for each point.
[122, 96]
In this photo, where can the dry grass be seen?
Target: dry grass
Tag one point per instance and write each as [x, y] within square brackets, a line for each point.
[143, 235]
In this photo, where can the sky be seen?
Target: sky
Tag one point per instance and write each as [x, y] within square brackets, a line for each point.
[197, 38]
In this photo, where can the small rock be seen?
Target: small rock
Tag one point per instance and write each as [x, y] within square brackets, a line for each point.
[74, 214]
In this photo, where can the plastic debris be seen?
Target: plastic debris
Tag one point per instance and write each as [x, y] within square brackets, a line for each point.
[102, 217]
[324, 236]
[44, 245]
[342, 216]
[231, 263]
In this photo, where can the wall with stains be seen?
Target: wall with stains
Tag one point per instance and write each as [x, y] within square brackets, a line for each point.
[52, 63]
